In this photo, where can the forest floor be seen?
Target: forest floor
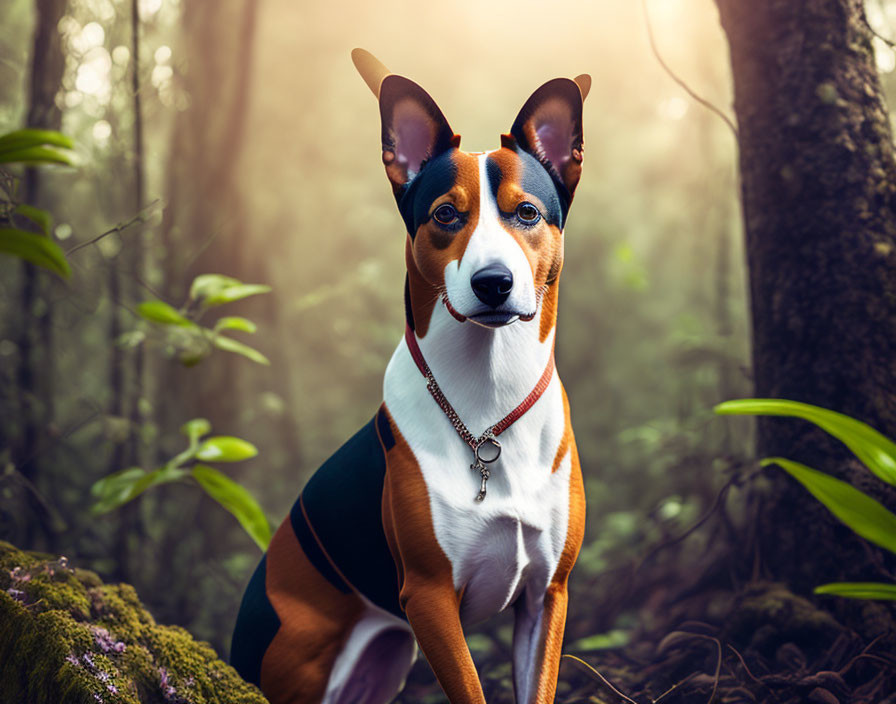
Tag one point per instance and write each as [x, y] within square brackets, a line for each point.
[760, 644]
[698, 630]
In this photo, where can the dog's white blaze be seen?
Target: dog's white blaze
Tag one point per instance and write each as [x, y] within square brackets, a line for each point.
[512, 541]
[490, 243]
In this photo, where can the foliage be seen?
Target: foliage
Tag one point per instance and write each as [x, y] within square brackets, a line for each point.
[31, 147]
[117, 489]
[184, 336]
[863, 514]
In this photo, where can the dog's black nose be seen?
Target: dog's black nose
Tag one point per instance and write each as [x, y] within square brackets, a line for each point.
[492, 284]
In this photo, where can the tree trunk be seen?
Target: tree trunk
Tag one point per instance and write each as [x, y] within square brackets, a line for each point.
[137, 251]
[203, 223]
[818, 182]
[36, 361]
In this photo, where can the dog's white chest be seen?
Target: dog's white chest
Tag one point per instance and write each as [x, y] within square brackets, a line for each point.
[512, 539]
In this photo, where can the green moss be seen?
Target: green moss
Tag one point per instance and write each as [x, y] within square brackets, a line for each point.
[67, 638]
[768, 615]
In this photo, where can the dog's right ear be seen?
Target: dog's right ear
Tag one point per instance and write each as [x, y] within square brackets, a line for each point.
[414, 129]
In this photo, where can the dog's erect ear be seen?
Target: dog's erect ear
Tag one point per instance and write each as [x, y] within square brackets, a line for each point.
[414, 129]
[549, 127]
[372, 70]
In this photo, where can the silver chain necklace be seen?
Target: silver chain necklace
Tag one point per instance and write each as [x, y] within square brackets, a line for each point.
[488, 440]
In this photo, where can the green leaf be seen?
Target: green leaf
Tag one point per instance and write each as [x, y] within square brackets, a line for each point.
[602, 641]
[231, 345]
[206, 285]
[119, 488]
[36, 249]
[30, 137]
[857, 510]
[196, 428]
[859, 590]
[874, 450]
[131, 339]
[225, 448]
[237, 500]
[162, 313]
[36, 155]
[235, 293]
[39, 217]
[114, 482]
[234, 322]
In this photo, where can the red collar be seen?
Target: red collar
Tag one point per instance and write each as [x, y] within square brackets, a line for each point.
[446, 407]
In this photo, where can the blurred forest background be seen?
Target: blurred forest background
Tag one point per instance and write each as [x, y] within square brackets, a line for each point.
[252, 150]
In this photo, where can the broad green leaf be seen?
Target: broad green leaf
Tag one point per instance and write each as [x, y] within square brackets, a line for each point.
[162, 313]
[206, 285]
[30, 137]
[196, 428]
[119, 488]
[114, 482]
[234, 322]
[225, 448]
[859, 590]
[237, 500]
[37, 155]
[36, 249]
[857, 510]
[877, 452]
[235, 293]
[39, 217]
[231, 345]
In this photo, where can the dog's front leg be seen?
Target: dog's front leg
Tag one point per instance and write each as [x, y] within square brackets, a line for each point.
[433, 612]
[537, 639]
[427, 593]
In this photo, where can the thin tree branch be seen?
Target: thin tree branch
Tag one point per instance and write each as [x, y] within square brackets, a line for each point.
[141, 217]
[590, 669]
[687, 89]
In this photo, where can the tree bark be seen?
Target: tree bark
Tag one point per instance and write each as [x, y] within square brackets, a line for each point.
[36, 362]
[818, 184]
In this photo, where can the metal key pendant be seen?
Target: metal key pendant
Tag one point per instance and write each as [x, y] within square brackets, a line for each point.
[480, 459]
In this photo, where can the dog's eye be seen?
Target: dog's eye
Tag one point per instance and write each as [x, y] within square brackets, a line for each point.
[527, 213]
[445, 214]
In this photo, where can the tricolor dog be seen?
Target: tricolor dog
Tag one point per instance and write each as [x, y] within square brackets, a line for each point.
[463, 495]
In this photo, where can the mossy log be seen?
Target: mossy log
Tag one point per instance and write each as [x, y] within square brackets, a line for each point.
[67, 638]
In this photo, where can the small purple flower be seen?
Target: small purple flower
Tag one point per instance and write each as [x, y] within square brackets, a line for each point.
[88, 658]
[112, 688]
[17, 574]
[16, 594]
[168, 689]
[71, 659]
[105, 641]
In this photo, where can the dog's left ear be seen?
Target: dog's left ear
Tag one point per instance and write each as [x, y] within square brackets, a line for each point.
[414, 130]
[549, 126]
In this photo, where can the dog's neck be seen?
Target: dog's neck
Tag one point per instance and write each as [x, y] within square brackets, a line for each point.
[483, 372]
